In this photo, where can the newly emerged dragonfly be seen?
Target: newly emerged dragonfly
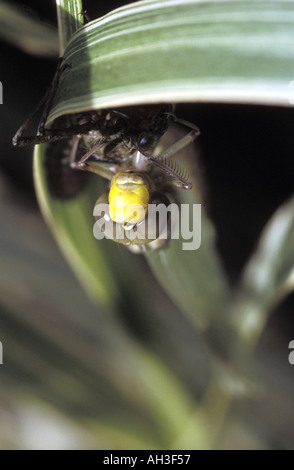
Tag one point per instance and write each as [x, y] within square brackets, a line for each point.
[121, 146]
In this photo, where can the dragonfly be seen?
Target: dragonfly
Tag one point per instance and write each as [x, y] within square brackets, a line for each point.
[120, 145]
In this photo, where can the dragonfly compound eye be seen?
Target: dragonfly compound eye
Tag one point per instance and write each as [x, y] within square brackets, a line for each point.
[128, 198]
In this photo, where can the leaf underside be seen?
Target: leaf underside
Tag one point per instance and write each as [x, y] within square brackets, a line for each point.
[181, 50]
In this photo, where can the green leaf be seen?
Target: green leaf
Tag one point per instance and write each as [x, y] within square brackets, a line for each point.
[189, 269]
[26, 32]
[181, 50]
[69, 19]
[269, 274]
[72, 224]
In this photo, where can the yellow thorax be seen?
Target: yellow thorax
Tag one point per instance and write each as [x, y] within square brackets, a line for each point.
[128, 198]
